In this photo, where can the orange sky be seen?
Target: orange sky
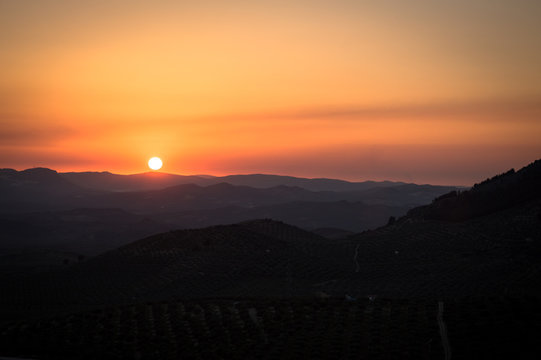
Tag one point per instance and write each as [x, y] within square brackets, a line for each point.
[422, 91]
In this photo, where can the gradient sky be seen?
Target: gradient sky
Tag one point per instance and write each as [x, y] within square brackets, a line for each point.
[425, 91]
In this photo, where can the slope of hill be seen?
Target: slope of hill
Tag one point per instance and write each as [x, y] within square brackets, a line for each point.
[271, 282]
[261, 258]
[488, 256]
[90, 231]
[497, 193]
[286, 292]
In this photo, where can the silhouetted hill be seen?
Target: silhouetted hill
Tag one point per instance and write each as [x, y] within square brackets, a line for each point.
[193, 197]
[246, 237]
[268, 289]
[318, 184]
[491, 255]
[46, 190]
[35, 179]
[500, 192]
[485, 271]
[35, 202]
[155, 180]
[106, 181]
[35, 189]
[259, 258]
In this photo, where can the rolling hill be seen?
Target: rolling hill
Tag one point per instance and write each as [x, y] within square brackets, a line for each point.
[291, 293]
[46, 190]
[418, 287]
[106, 181]
[35, 206]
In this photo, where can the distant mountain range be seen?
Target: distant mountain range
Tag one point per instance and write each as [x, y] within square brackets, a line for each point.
[156, 180]
[413, 257]
[39, 201]
[45, 189]
[463, 270]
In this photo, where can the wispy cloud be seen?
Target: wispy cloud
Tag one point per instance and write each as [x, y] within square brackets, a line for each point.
[17, 130]
[525, 109]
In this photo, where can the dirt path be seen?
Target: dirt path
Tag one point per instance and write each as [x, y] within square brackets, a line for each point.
[357, 267]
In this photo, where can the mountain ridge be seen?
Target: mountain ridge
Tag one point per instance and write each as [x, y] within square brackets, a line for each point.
[496, 193]
[139, 182]
[257, 284]
[27, 191]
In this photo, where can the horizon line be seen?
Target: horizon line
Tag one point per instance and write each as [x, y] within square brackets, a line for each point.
[237, 174]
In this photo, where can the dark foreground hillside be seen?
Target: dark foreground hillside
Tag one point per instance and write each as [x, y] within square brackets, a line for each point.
[500, 192]
[287, 329]
[494, 255]
[264, 289]
[422, 287]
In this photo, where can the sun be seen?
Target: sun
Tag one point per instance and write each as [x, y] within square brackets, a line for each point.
[155, 163]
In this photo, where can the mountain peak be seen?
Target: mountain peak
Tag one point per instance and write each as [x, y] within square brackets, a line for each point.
[39, 171]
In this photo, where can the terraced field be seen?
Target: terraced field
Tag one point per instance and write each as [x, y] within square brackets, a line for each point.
[416, 289]
[286, 329]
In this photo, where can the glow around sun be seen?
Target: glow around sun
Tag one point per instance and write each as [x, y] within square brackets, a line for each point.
[155, 163]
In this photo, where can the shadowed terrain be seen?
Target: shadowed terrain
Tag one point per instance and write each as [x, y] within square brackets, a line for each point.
[42, 210]
[267, 289]
[155, 181]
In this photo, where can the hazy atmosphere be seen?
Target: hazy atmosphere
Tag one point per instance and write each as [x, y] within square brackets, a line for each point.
[441, 92]
[298, 179]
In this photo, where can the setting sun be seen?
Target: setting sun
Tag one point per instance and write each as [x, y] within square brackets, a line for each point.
[276, 87]
[155, 163]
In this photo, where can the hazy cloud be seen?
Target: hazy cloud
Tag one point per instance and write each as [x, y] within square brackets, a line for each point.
[18, 130]
[527, 109]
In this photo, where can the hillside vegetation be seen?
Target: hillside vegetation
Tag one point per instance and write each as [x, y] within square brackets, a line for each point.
[461, 274]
